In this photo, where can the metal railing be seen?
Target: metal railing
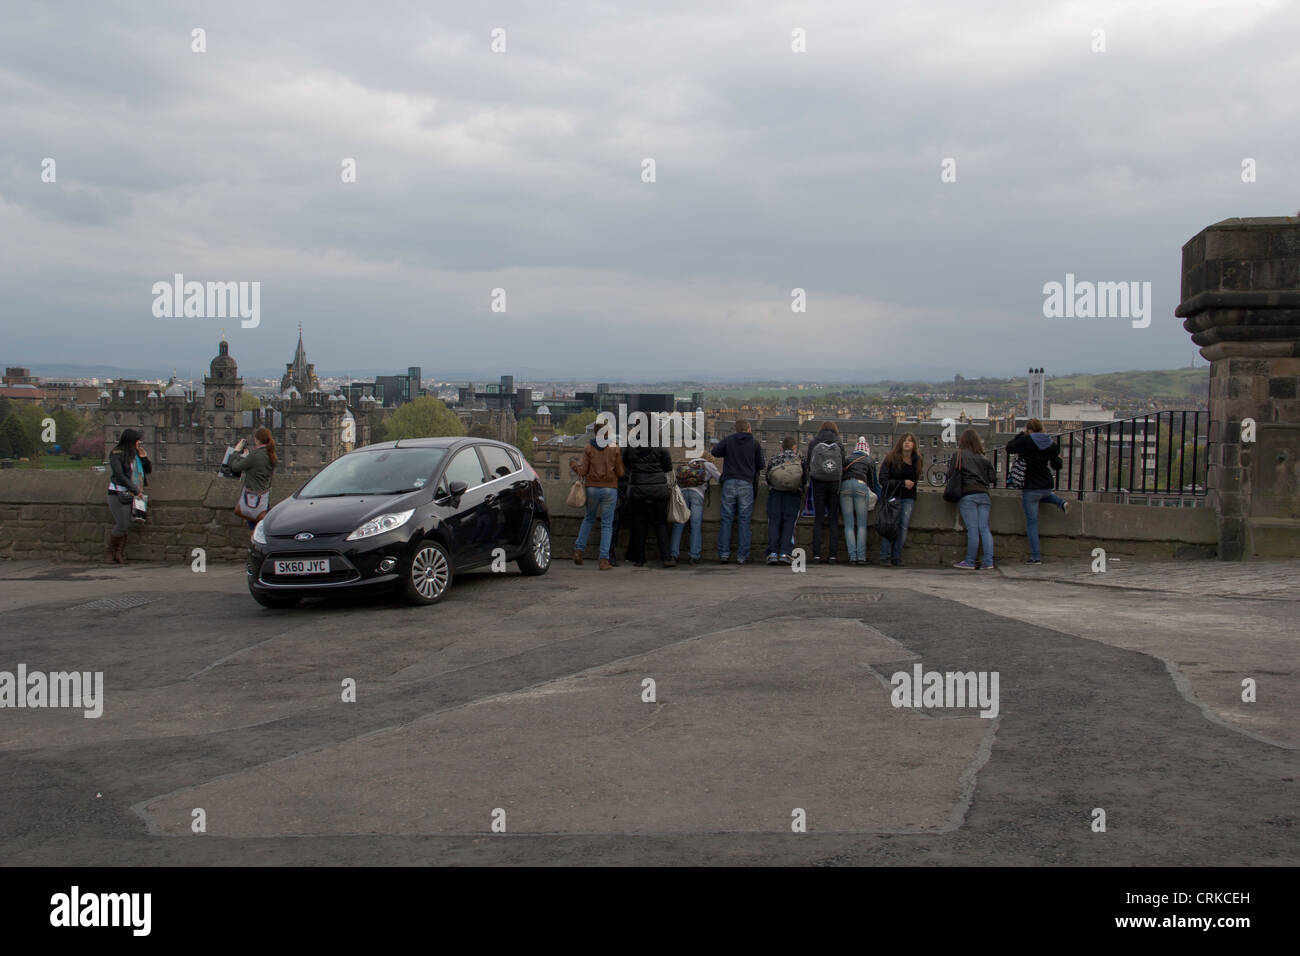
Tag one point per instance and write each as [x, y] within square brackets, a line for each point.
[1164, 455]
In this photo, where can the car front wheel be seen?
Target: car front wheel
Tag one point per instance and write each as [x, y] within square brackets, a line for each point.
[537, 554]
[430, 575]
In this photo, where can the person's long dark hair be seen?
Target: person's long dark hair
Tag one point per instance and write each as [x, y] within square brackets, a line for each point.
[970, 441]
[126, 444]
[895, 457]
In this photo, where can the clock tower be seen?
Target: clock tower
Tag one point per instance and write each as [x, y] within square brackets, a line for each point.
[223, 398]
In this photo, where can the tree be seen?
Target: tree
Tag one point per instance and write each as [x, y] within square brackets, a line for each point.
[524, 436]
[29, 418]
[88, 445]
[249, 402]
[19, 444]
[577, 424]
[68, 426]
[426, 417]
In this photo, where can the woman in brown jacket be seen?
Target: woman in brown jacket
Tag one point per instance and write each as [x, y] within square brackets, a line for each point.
[600, 468]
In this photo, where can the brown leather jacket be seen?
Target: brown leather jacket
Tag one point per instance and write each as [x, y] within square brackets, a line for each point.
[601, 467]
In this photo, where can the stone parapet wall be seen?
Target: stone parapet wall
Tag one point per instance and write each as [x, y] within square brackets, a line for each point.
[64, 516]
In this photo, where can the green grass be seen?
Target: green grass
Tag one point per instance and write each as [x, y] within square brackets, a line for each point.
[57, 463]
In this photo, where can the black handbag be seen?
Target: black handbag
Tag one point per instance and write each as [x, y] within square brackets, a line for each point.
[952, 489]
[889, 516]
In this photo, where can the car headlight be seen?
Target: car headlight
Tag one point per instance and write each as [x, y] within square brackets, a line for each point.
[381, 524]
[259, 534]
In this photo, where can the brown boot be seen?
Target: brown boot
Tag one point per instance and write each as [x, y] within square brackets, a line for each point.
[117, 546]
[604, 564]
[577, 557]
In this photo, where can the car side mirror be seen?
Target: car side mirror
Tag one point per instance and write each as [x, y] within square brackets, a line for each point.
[458, 488]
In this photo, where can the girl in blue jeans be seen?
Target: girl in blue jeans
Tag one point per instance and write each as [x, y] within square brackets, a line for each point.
[899, 474]
[977, 477]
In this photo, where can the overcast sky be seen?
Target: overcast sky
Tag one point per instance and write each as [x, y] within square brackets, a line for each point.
[522, 170]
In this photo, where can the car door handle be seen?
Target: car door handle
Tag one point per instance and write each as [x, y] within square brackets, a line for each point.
[490, 500]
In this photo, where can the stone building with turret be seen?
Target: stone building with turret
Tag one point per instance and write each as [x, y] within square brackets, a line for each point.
[187, 431]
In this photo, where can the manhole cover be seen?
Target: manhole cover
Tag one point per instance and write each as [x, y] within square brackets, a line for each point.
[120, 602]
[839, 597]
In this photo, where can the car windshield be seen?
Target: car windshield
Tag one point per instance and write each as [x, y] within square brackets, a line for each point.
[389, 471]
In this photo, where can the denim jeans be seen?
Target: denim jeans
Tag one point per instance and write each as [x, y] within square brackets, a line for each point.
[600, 503]
[894, 549]
[737, 505]
[974, 511]
[854, 498]
[695, 501]
[783, 509]
[1030, 500]
[826, 511]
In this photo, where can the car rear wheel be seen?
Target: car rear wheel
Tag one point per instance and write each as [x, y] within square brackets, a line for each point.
[537, 554]
[430, 575]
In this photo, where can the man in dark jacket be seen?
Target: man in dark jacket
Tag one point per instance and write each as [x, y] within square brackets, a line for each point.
[1042, 455]
[742, 463]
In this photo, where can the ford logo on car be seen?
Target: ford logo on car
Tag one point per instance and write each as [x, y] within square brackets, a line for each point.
[303, 536]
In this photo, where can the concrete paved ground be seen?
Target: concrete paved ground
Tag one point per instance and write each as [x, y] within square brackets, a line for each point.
[771, 696]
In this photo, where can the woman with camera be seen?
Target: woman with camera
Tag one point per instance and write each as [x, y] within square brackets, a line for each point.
[256, 466]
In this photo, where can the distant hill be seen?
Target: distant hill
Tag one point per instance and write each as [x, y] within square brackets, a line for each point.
[1191, 385]
[1187, 387]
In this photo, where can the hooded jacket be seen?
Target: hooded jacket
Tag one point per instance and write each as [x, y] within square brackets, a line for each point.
[741, 456]
[1040, 453]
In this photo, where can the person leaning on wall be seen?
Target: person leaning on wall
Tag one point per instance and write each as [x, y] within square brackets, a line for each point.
[129, 467]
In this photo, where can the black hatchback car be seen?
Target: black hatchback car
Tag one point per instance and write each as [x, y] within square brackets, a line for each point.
[405, 515]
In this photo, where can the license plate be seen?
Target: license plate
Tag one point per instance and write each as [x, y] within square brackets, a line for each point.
[314, 566]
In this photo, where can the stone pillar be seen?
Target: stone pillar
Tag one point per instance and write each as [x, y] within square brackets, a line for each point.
[1241, 303]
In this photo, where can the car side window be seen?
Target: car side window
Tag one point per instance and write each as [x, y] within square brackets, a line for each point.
[499, 463]
[464, 467]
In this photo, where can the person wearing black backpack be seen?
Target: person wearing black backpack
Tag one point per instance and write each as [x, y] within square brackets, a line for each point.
[1041, 455]
[825, 461]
